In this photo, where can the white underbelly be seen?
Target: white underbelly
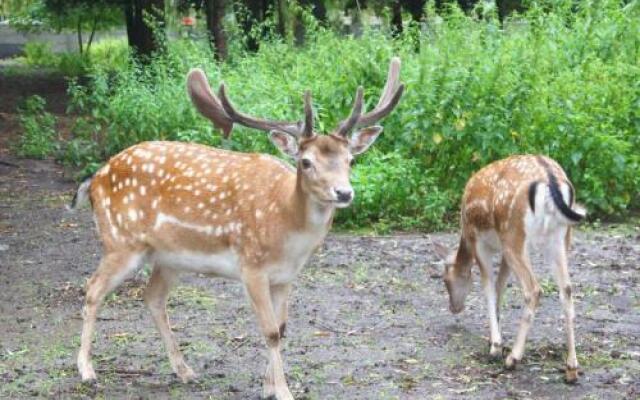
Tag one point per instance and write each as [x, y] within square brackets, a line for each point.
[224, 264]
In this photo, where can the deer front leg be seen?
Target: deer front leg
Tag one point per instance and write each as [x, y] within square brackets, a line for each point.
[483, 257]
[258, 288]
[280, 301]
[501, 281]
[155, 297]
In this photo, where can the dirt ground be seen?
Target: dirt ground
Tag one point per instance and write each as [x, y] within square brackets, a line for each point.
[369, 317]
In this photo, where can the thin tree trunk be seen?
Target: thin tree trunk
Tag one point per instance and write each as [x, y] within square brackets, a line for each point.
[319, 10]
[215, 10]
[281, 11]
[396, 18]
[248, 19]
[79, 32]
[415, 9]
[93, 32]
[141, 36]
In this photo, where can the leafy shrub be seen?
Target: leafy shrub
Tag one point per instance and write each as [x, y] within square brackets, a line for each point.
[39, 135]
[39, 54]
[73, 64]
[110, 54]
[561, 82]
[105, 55]
[394, 192]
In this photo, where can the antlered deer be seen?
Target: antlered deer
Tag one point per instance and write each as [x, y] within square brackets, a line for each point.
[249, 217]
[508, 206]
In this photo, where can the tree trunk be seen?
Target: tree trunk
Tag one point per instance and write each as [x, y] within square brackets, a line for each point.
[507, 7]
[256, 14]
[467, 5]
[93, 32]
[282, 11]
[319, 10]
[415, 8]
[248, 18]
[141, 37]
[79, 33]
[215, 10]
[396, 18]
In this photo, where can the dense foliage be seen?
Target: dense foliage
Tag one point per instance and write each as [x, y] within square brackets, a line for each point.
[562, 82]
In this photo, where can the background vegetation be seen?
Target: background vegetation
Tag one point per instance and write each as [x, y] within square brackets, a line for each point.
[560, 79]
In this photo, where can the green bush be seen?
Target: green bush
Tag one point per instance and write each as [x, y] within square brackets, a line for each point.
[110, 54]
[105, 55]
[39, 54]
[561, 82]
[38, 139]
[394, 192]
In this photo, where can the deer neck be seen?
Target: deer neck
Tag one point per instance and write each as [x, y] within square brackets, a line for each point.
[308, 214]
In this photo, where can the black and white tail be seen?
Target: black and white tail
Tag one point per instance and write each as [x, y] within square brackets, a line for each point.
[573, 212]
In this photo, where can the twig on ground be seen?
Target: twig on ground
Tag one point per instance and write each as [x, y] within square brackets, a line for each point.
[9, 164]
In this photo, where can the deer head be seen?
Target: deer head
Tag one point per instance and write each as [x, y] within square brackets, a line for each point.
[323, 161]
[457, 276]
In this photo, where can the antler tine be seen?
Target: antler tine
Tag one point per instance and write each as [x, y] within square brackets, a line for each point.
[292, 128]
[307, 130]
[348, 124]
[389, 98]
[206, 102]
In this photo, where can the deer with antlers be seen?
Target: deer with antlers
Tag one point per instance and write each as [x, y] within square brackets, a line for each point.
[249, 217]
[507, 207]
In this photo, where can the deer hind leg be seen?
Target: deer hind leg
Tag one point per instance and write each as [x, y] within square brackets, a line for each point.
[558, 257]
[259, 290]
[483, 257]
[113, 269]
[155, 296]
[517, 257]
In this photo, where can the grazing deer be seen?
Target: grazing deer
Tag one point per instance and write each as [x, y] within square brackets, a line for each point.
[508, 206]
[249, 217]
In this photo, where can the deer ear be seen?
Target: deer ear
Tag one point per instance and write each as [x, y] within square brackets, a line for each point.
[285, 142]
[363, 138]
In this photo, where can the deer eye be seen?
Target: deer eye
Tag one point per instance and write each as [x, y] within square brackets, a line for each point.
[306, 163]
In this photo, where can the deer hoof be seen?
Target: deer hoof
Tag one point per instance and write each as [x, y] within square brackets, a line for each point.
[495, 353]
[510, 363]
[185, 373]
[571, 375]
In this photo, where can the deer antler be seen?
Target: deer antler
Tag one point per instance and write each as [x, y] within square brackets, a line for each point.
[389, 99]
[223, 114]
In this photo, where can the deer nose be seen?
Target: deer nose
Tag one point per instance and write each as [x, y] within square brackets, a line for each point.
[344, 195]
